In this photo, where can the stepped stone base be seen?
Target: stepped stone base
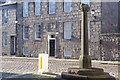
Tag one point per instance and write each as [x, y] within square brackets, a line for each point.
[85, 74]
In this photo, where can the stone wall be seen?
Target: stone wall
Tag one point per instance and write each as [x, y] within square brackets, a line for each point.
[0, 31]
[94, 44]
[52, 23]
[45, 20]
[19, 29]
[95, 30]
[119, 17]
[110, 46]
[10, 27]
[110, 17]
[57, 19]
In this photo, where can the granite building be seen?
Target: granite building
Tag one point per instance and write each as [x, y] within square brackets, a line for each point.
[54, 28]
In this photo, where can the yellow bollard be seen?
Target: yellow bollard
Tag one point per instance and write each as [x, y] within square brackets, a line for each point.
[41, 62]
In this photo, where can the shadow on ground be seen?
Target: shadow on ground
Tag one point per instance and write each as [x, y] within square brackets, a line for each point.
[44, 76]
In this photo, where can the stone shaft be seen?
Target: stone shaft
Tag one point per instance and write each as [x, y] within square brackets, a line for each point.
[84, 60]
[84, 34]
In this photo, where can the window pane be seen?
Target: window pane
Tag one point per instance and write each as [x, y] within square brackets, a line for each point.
[67, 5]
[85, 2]
[67, 30]
[38, 35]
[37, 32]
[25, 9]
[5, 16]
[5, 39]
[25, 33]
[25, 51]
[51, 6]
[37, 7]
[67, 53]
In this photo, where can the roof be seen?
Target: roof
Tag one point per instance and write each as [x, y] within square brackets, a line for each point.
[6, 4]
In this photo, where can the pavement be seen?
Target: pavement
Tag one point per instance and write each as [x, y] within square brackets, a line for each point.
[14, 66]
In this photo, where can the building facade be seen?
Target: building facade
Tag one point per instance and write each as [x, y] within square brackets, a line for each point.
[54, 28]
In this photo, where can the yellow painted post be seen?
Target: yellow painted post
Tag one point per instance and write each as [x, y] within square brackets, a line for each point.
[41, 62]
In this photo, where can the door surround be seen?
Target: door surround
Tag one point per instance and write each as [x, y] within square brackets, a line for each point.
[13, 45]
[50, 38]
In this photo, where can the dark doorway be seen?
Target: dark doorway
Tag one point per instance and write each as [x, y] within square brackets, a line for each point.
[52, 47]
[13, 45]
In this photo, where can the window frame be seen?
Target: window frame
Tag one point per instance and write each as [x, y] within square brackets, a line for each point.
[88, 30]
[25, 33]
[35, 32]
[67, 52]
[5, 39]
[51, 1]
[24, 51]
[66, 1]
[4, 18]
[37, 9]
[24, 10]
[65, 36]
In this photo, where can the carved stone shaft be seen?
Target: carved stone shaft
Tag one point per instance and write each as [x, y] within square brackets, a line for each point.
[85, 60]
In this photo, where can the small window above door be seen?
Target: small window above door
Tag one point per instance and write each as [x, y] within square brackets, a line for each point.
[52, 36]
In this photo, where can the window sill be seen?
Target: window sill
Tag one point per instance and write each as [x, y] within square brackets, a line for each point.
[67, 11]
[37, 39]
[5, 46]
[51, 13]
[4, 23]
[25, 39]
[25, 16]
[67, 39]
[37, 14]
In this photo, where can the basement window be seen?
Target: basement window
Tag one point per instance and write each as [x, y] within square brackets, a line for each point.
[5, 39]
[67, 53]
[25, 51]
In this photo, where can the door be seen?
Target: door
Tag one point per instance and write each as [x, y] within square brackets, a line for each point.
[13, 45]
[52, 47]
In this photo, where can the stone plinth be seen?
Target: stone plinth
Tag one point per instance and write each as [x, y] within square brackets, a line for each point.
[85, 74]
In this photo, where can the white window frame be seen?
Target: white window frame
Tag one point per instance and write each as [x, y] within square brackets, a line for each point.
[24, 33]
[37, 31]
[38, 7]
[25, 51]
[51, 6]
[5, 39]
[67, 30]
[5, 16]
[67, 5]
[66, 55]
[25, 9]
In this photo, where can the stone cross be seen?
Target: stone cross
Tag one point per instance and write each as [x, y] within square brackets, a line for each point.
[84, 60]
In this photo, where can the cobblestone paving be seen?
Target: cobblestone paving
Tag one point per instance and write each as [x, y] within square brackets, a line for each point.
[16, 66]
